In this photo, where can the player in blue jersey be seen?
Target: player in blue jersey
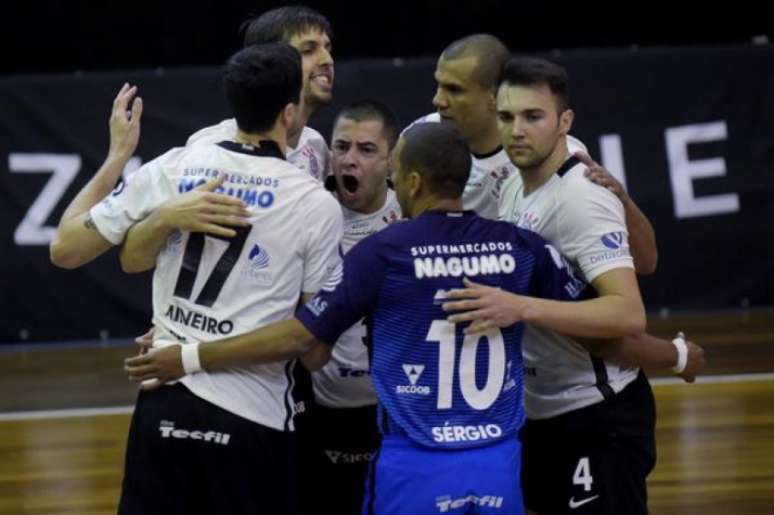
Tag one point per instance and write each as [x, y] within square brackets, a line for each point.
[450, 398]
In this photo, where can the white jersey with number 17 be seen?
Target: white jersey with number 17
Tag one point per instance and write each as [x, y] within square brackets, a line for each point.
[207, 288]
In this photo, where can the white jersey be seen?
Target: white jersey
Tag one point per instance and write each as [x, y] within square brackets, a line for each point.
[345, 381]
[311, 154]
[207, 288]
[586, 223]
[487, 174]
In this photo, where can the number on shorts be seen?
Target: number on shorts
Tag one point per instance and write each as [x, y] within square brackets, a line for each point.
[582, 475]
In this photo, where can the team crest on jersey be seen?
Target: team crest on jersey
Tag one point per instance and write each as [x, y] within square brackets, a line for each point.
[314, 166]
[528, 221]
[391, 218]
[258, 263]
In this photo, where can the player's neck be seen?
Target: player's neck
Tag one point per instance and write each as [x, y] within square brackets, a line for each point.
[534, 178]
[294, 132]
[485, 142]
[437, 204]
[376, 203]
[277, 134]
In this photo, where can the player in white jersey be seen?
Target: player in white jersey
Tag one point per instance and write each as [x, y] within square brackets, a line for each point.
[303, 28]
[221, 443]
[607, 409]
[466, 74]
[309, 32]
[338, 435]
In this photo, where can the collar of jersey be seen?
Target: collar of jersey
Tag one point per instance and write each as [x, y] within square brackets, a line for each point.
[494, 152]
[443, 212]
[268, 148]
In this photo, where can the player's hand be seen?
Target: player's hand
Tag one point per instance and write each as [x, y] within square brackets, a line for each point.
[156, 367]
[202, 210]
[695, 362]
[145, 342]
[125, 123]
[597, 174]
[485, 306]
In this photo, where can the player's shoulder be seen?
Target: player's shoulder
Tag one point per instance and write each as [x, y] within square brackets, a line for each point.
[528, 240]
[575, 145]
[310, 136]
[225, 130]
[572, 177]
[577, 189]
[498, 229]
[171, 159]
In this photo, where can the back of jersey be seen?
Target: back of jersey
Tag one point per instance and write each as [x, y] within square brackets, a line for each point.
[207, 288]
[436, 385]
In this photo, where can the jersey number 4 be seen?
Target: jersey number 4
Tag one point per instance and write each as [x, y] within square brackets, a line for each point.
[443, 332]
[192, 258]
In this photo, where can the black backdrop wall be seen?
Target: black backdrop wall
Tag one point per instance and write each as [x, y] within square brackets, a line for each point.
[688, 130]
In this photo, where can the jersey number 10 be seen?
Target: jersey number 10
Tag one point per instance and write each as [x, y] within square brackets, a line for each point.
[443, 332]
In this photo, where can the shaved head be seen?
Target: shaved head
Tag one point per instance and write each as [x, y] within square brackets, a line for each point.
[489, 52]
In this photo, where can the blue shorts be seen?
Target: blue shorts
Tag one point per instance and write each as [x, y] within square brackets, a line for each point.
[407, 478]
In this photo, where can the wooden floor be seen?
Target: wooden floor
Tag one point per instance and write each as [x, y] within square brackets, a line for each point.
[715, 438]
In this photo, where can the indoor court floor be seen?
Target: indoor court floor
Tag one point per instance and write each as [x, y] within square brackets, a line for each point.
[65, 410]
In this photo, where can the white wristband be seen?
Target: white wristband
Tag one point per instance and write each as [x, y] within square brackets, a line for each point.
[682, 353]
[190, 357]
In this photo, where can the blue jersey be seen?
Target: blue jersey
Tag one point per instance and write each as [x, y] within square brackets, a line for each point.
[435, 385]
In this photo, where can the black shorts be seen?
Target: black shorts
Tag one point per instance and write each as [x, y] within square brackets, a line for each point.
[188, 456]
[335, 447]
[593, 460]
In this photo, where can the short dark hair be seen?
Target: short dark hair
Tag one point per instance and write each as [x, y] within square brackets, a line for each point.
[491, 55]
[283, 23]
[260, 81]
[373, 110]
[440, 154]
[532, 71]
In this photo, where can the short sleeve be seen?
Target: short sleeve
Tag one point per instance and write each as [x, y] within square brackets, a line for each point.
[592, 227]
[333, 311]
[135, 199]
[322, 230]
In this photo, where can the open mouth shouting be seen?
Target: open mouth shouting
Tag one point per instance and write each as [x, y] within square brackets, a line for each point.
[350, 184]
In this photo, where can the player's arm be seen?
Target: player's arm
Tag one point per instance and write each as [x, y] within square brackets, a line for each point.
[199, 210]
[275, 342]
[591, 231]
[642, 237]
[316, 357]
[615, 313]
[77, 240]
[651, 352]
[318, 324]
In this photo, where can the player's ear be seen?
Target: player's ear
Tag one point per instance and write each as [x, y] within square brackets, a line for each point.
[491, 101]
[415, 184]
[289, 114]
[565, 121]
